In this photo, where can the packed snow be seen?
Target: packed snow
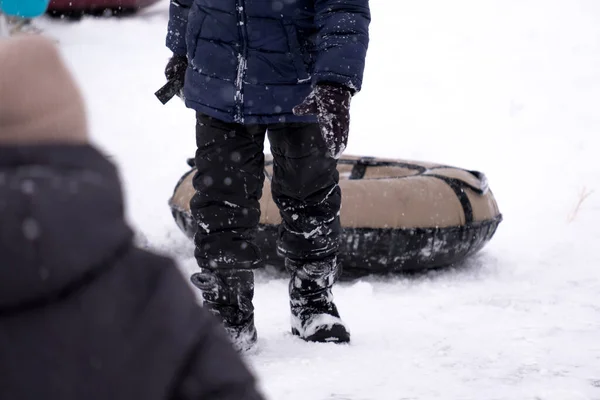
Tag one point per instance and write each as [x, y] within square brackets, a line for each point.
[507, 87]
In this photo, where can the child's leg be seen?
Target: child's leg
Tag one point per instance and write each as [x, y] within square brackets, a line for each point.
[228, 185]
[305, 188]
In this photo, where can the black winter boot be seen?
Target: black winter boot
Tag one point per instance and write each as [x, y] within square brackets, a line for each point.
[315, 317]
[228, 295]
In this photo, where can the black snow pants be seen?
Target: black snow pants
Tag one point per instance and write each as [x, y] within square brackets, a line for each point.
[229, 183]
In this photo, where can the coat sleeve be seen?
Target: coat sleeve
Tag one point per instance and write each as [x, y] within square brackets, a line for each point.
[214, 370]
[342, 41]
[178, 17]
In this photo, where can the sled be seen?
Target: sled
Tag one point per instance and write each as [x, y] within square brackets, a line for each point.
[397, 215]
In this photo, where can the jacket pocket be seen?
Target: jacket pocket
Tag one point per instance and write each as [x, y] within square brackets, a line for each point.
[196, 19]
[295, 52]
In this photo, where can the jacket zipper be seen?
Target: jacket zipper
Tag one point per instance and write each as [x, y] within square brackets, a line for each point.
[242, 63]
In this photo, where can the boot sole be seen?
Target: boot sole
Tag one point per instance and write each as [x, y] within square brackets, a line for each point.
[337, 334]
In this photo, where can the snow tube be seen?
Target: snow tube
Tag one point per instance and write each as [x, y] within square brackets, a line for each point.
[95, 6]
[23, 8]
[397, 216]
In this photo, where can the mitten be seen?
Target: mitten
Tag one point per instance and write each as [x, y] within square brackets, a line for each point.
[175, 71]
[331, 104]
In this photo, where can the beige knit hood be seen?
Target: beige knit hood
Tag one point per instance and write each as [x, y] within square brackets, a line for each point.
[40, 102]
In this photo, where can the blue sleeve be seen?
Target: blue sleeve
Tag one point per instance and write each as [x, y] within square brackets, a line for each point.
[178, 17]
[342, 41]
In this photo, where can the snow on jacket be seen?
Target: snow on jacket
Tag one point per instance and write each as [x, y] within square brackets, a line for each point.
[252, 61]
[84, 314]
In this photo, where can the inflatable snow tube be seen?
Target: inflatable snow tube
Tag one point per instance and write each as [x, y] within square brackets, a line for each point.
[67, 7]
[397, 216]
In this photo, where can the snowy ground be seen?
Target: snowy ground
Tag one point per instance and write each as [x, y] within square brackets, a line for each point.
[508, 87]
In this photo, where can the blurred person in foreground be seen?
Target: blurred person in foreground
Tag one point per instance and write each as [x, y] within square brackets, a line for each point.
[84, 314]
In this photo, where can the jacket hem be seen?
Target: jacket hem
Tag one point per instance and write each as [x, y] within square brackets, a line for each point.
[250, 119]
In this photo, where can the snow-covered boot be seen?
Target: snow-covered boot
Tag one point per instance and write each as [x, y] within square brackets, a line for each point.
[315, 317]
[228, 295]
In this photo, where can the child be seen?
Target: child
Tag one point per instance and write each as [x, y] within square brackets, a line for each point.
[285, 69]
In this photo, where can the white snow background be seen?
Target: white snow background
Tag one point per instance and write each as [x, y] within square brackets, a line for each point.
[507, 87]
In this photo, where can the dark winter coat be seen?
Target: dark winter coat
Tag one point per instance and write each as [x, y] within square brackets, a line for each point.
[252, 61]
[83, 313]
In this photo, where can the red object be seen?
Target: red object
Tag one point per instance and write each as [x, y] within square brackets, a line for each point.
[94, 5]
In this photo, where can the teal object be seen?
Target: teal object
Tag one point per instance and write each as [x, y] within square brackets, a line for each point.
[24, 8]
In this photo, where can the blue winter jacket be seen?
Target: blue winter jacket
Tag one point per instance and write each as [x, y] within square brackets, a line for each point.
[252, 61]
